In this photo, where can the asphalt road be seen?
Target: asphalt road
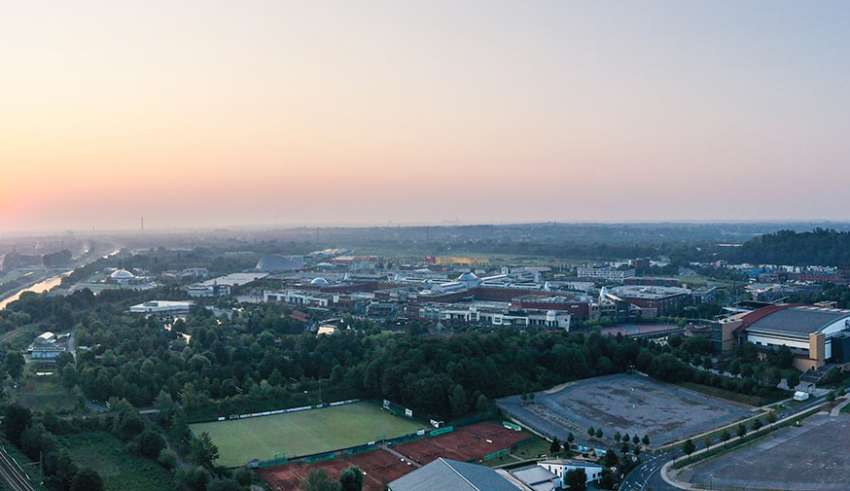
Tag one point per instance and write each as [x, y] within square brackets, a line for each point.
[647, 475]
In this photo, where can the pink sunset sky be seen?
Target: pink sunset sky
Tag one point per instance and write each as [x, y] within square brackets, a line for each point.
[207, 113]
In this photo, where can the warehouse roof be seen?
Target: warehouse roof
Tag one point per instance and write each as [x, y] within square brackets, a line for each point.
[795, 321]
[648, 292]
[275, 263]
[235, 279]
[451, 475]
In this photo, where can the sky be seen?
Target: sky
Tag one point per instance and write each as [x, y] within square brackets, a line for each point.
[220, 113]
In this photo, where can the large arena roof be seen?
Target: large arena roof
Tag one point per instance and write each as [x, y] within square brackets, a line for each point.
[795, 321]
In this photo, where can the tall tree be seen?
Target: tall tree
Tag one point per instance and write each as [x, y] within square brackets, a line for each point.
[457, 401]
[87, 480]
[224, 485]
[151, 444]
[14, 364]
[351, 479]
[318, 480]
[576, 480]
[204, 451]
[17, 419]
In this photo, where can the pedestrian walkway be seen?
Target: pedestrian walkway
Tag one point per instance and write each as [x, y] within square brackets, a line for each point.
[837, 409]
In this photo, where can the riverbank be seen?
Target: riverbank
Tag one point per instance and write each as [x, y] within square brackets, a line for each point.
[40, 285]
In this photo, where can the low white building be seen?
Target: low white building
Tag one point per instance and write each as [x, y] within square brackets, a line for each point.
[48, 346]
[204, 290]
[297, 297]
[604, 273]
[194, 273]
[560, 468]
[223, 285]
[161, 307]
[497, 314]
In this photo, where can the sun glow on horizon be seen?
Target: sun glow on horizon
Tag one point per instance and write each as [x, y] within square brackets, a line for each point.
[280, 112]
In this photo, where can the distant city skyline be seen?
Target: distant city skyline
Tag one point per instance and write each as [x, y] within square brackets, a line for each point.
[199, 114]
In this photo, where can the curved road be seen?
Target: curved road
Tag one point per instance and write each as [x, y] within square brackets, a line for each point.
[647, 475]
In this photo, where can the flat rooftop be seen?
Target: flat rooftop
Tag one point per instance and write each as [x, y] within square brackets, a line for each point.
[648, 292]
[567, 297]
[799, 321]
[166, 303]
[535, 477]
[235, 279]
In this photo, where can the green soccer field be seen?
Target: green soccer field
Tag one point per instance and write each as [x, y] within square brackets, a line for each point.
[303, 433]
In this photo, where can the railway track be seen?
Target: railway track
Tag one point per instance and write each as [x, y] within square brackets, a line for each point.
[12, 474]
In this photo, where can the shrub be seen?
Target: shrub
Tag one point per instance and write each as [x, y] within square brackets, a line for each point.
[168, 459]
[151, 444]
[87, 480]
[244, 477]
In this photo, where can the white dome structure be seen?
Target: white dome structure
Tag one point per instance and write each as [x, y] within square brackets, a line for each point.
[121, 274]
[319, 282]
[122, 277]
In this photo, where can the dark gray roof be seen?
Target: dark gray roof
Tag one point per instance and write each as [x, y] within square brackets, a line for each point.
[451, 475]
[533, 475]
[797, 321]
[275, 263]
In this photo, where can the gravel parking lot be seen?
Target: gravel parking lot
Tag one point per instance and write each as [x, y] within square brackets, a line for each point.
[625, 403]
[812, 457]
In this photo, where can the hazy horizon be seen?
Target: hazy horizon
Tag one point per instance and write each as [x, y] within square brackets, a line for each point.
[310, 227]
[281, 114]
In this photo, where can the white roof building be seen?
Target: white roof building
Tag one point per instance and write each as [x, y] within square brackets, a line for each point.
[121, 275]
[162, 307]
[560, 468]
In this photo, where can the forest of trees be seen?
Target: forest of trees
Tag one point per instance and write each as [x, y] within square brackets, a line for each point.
[830, 293]
[821, 246]
[262, 359]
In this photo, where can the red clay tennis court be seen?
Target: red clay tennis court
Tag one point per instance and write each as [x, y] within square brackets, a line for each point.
[379, 467]
[469, 443]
